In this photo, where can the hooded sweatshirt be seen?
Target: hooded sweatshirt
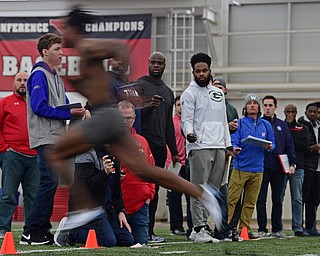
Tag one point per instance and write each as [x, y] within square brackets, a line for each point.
[203, 112]
[45, 91]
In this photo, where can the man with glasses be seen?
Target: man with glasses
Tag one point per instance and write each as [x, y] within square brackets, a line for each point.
[301, 139]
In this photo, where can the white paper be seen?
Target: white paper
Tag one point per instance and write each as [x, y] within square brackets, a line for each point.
[284, 161]
[176, 168]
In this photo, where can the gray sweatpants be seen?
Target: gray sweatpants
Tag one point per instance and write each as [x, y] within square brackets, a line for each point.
[206, 166]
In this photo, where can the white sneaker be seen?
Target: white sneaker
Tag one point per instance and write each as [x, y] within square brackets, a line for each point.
[192, 236]
[79, 218]
[203, 236]
[61, 236]
[209, 199]
[279, 235]
[262, 234]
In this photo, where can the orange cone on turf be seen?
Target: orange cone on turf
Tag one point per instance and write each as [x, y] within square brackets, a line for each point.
[244, 233]
[92, 239]
[8, 244]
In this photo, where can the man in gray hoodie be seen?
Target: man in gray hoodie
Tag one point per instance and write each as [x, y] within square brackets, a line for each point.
[204, 123]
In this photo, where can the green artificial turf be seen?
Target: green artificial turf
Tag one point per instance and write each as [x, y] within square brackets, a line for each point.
[178, 245]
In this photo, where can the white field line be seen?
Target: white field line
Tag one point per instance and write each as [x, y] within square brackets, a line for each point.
[53, 250]
[82, 248]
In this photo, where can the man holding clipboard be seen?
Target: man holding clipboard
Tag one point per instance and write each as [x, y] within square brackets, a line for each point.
[248, 161]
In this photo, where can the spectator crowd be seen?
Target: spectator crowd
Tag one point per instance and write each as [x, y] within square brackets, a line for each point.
[206, 141]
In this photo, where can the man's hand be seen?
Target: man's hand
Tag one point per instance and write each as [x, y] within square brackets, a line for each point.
[77, 111]
[267, 146]
[192, 137]
[233, 125]
[315, 147]
[237, 151]
[175, 159]
[156, 101]
[123, 221]
[292, 169]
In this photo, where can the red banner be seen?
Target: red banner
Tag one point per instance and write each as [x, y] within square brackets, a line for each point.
[18, 44]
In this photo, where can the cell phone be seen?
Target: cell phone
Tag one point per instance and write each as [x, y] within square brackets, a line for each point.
[158, 97]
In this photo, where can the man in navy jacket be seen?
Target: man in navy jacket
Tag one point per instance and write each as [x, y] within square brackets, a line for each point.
[273, 172]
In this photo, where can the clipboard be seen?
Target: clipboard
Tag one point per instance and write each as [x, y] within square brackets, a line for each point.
[70, 106]
[254, 141]
[284, 161]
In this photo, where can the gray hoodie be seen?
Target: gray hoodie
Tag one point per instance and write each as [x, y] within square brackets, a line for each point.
[203, 112]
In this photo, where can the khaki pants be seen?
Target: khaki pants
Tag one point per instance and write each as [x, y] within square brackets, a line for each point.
[249, 183]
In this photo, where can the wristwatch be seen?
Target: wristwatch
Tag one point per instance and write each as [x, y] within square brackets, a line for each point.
[294, 165]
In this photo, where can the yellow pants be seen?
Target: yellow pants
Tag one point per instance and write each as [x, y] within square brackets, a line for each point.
[249, 183]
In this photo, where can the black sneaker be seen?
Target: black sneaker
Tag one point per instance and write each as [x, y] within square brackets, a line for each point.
[178, 231]
[34, 239]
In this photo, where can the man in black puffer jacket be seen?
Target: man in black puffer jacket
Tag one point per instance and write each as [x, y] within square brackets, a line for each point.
[311, 185]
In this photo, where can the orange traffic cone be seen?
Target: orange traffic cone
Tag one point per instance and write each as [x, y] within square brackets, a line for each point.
[91, 240]
[8, 244]
[244, 233]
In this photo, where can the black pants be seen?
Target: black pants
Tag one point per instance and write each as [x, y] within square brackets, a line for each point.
[160, 156]
[175, 205]
[311, 197]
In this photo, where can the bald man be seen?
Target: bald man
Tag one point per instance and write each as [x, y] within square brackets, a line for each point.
[19, 163]
[157, 123]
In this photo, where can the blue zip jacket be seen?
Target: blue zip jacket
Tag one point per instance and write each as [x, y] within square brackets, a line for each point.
[39, 100]
[251, 157]
[284, 144]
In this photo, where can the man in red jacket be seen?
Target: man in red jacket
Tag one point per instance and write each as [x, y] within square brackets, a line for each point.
[136, 193]
[19, 161]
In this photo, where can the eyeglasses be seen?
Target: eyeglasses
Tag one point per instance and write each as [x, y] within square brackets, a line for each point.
[128, 118]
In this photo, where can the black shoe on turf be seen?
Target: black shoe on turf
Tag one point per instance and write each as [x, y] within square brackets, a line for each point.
[34, 239]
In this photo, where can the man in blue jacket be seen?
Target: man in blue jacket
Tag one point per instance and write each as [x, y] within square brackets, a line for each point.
[273, 171]
[248, 161]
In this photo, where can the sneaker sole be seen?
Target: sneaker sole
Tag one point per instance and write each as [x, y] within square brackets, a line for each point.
[34, 243]
[58, 231]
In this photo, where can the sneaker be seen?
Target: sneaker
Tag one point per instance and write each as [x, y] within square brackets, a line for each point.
[178, 231]
[313, 232]
[301, 234]
[279, 235]
[34, 239]
[192, 236]
[211, 200]
[235, 236]
[203, 236]
[156, 239]
[61, 235]
[262, 234]
[253, 236]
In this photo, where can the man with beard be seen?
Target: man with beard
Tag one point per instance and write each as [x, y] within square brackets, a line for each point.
[204, 122]
[157, 124]
[19, 161]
